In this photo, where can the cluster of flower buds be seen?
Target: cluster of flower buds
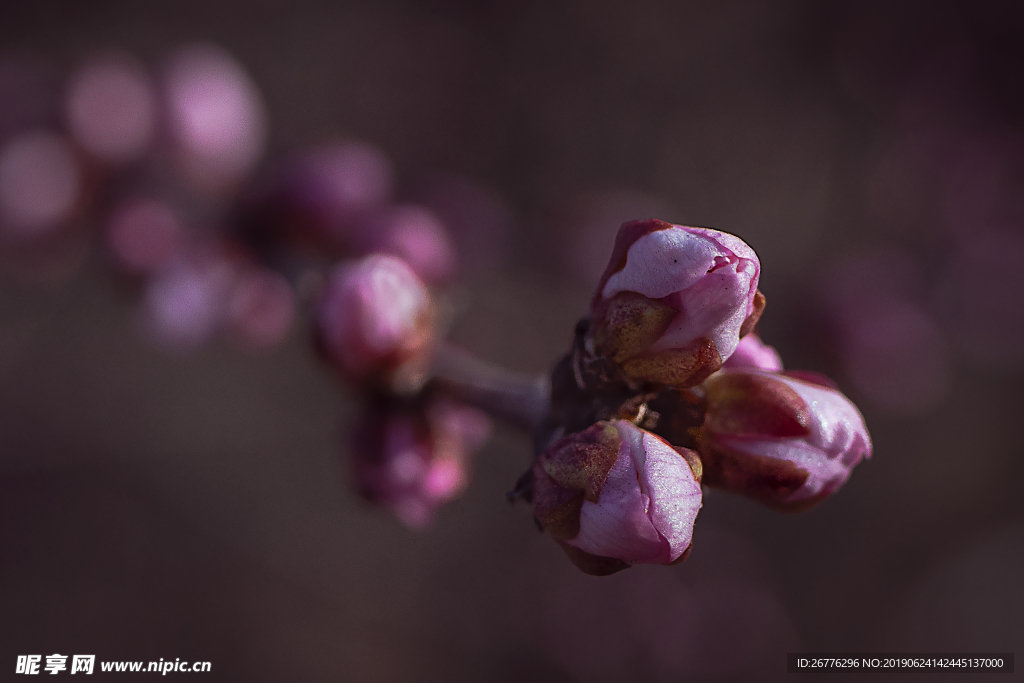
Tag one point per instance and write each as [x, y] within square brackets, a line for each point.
[412, 456]
[376, 325]
[165, 163]
[668, 387]
[152, 161]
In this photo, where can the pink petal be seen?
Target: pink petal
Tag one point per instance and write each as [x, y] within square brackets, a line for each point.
[618, 524]
[675, 495]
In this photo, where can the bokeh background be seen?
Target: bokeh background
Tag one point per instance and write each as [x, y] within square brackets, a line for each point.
[161, 504]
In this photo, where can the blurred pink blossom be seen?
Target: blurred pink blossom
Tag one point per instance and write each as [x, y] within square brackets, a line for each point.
[412, 460]
[110, 107]
[144, 234]
[327, 191]
[417, 236]
[216, 116]
[40, 185]
[374, 316]
[479, 220]
[261, 308]
[185, 303]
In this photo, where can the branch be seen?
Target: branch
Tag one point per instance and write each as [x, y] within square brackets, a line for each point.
[521, 399]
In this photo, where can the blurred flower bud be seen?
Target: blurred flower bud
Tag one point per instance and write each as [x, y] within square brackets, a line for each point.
[217, 119]
[674, 301]
[326, 192]
[412, 460]
[185, 303]
[615, 495]
[375, 320]
[111, 108]
[143, 235]
[754, 354]
[416, 235]
[261, 308]
[784, 441]
[480, 222]
[40, 185]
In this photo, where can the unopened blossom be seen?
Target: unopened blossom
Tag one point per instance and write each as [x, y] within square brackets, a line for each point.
[413, 459]
[261, 308]
[418, 236]
[41, 183]
[185, 303]
[674, 301]
[374, 319]
[754, 354]
[325, 193]
[110, 108]
[784, 441]
[615, 495]
[143, 235]
[216, 117]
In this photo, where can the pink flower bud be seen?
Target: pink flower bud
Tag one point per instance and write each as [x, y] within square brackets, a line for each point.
[784, 441]
[40, 185]
[754, 354]
[143, 235]
[418, 236]
[217, 119]
[615, 495]
[375, 317]
[327, 191]
[412, 460]
[185, 303]
[261, 308]
[674, 301]
[111, 108]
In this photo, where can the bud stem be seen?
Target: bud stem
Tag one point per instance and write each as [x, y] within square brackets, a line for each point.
[518, 398]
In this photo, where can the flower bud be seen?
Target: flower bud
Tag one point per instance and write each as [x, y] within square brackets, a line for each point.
[325, 193]
[111, 108]
[261, 308]
[375, 319]
[754, 354]
[674, 301]
[412, 460]
[417, 236]
[784, 441]
[41, 186]
[216, 117]
[185, 302]
[144, 235]
[615, 495]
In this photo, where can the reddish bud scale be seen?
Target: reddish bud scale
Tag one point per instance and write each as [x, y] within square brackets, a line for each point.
[785, 442]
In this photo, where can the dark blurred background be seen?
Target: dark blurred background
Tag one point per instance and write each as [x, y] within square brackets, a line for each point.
[158, 504]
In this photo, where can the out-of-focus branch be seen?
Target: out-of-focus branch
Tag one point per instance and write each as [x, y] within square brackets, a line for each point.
[519, 398]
